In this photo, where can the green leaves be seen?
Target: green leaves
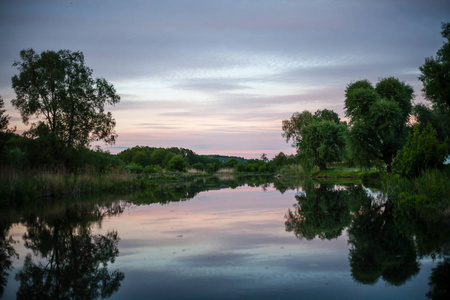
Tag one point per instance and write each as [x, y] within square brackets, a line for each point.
[421, 152]
[436, 75]
[378, 119]
[319, 137]
[58, 89]
[323, 142]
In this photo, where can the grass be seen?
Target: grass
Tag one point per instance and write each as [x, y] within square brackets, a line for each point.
[293, 171]
[347, 173]
[18, 185]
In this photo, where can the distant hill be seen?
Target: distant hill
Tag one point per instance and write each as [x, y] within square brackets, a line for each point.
[224, 158]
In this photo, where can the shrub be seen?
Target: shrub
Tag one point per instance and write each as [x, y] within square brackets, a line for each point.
[422, 151]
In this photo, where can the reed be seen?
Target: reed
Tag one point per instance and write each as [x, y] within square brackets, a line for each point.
[20, 185]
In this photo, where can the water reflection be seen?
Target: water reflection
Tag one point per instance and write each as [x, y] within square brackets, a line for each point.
[67, 261]
[70, 259]
[378, 248]
[439, 281]
[7, 253]
[386, 239]
[321, 212]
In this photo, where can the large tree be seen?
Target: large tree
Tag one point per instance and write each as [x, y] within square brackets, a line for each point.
[67, 103]
[292, 128]
[436, 75]
[319, 137]
[323, 142]
[378, 119]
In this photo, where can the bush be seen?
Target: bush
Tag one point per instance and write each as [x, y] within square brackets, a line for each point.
[177, 163]
[422, 151]
[134, 168]
[199, 166]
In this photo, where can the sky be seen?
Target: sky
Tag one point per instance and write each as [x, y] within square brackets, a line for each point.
[218, 77]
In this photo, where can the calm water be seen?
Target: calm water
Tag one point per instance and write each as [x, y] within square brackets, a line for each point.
[211, 241]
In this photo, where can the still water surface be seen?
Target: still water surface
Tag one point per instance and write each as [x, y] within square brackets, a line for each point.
[252, 242]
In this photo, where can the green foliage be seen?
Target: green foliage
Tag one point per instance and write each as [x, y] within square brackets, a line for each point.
[212, 167]
[425, 115]
[134, 168]
[5, 133]
[4, 118]
[378, 120]
[430, 189]
[393, 90]
[323, 142]
[292, 128]
[199, 166]
[422, 151]
[177, 163]
[436, 73]
[58, 89]
[359, 96]
[319, 138]
[221, 158]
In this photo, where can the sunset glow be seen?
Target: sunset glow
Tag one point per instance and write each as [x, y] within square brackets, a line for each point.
[218, 77]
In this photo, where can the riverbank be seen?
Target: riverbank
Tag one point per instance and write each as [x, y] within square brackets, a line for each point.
[347, 173]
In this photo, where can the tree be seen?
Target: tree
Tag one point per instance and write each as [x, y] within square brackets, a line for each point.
[4, 118]
[436, 75]
[58, 89]
[426, 115]
[292, 128]
[4, 131]
[421, 151]
[323, 142]
[378, 119]
[177, 163]
[319, 138]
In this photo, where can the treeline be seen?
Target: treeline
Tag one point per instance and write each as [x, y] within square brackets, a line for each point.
[24, 153]
[383, 128]
[143, 159]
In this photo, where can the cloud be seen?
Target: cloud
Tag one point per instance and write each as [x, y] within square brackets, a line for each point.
[231, 67]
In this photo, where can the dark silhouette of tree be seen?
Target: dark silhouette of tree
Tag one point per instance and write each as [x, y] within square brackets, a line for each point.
[58, 89]
[439, 281]
[435, 75]
[7, 252]
[379, 117]
[73, 262]
[319, 138]
[378, 248]
[320, 212]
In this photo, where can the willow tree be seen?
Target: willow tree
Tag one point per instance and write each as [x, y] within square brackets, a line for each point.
[379, 117]
[319, 137]
[56, 93]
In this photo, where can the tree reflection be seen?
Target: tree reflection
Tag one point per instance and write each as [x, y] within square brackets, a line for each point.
[379, 249]
[7, 252]
[72, 261]
[320, 212]
[439, 281]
